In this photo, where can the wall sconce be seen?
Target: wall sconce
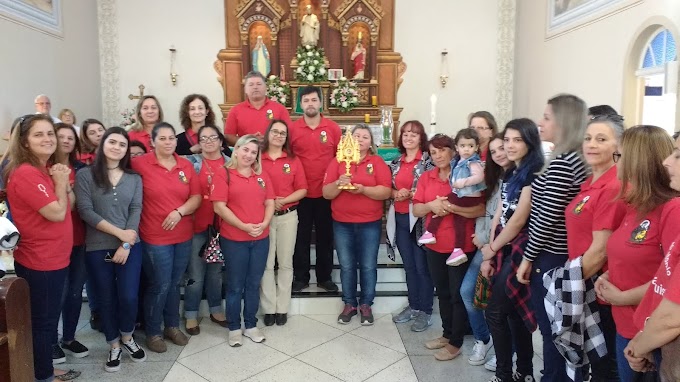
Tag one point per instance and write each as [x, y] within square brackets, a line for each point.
[173, 75]
[444, 69]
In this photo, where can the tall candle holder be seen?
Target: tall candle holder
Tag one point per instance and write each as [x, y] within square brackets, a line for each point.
[387, 124]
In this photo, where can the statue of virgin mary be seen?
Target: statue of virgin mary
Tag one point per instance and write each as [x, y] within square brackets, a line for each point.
[260, 57]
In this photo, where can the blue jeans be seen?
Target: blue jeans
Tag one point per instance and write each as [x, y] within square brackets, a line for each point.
[164, 266]
[625, 372]
[418, 280]
[357, 243]
[202, 274]
[244, 263]
[73, 293]
[46, 289]
[480, 329]
[117, 288]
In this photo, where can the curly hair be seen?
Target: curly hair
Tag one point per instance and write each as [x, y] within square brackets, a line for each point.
[184, 118]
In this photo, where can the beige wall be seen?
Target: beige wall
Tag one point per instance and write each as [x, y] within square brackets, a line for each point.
[595, 62]
[65, 69]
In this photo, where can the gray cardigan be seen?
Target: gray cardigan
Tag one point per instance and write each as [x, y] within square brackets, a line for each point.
[121, 206]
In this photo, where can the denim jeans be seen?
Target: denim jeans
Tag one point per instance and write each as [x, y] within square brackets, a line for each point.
[244, 266]
[625, 372]
[164, 266]
[200, 275]
[606, 369]
[358, 243]
[73, 293]
[116, 287]
[480, 329]
[418, 280]
[46, 289]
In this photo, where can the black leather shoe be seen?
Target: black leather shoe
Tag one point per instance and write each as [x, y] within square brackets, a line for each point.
[329, 286]
[299, 285]
[281, 319]
[270, 319]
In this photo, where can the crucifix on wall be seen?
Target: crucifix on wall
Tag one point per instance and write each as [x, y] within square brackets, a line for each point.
[141, 93]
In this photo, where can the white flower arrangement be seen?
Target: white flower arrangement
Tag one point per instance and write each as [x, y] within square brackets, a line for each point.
[312, 65]
[128, 118]
[277, 90]
[345, 95]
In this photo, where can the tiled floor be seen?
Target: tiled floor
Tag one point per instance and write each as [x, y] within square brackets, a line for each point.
[311, 348]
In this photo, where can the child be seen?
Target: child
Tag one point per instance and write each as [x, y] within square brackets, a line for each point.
[467, 181]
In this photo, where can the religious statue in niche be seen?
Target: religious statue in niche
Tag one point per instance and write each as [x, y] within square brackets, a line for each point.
[358, 58]
[309, 28]
[260, 56]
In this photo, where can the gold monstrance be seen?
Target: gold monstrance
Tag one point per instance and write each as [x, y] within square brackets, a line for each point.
[348, 152]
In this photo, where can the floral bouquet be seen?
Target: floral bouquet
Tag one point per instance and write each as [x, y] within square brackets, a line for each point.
[312, 64]
[277, 90]
[128, 118]
[345, 95]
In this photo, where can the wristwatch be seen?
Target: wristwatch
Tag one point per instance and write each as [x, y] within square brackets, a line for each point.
[126, 246]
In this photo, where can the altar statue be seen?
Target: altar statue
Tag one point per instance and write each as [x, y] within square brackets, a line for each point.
[260, 56]
[309, 28]
[359, 59]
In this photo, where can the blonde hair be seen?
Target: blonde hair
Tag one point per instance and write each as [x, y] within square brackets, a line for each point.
[64, 111]
[138, 125]
[242, 141]
[373, 149]
[571, 116]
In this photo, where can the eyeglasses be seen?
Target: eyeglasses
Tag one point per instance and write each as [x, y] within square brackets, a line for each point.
[616, 157]
[280, 133]
[134, 155]
[481, 128]
[212, 138]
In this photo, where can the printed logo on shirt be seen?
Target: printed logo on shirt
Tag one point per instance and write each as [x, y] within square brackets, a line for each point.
[286, 168]
[260, 181]
[43, 189]
[270, 114]
[183, 177]
[640, 233]
[323, 137]
[580, 205]
[369, 169]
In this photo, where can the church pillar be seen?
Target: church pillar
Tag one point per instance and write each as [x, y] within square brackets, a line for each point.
[344, 58]
[295, 25]
[373, 58]
[274, 61]
[247, 55]
[323, 32]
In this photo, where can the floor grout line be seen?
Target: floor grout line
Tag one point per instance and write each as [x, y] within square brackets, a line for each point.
[199, 376]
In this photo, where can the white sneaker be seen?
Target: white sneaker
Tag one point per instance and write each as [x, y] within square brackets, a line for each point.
[491, 364]
[235, 338]
[479, 352]
[254, 334]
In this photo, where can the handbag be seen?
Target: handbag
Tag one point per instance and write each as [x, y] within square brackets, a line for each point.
[211, 252]
[482, 292]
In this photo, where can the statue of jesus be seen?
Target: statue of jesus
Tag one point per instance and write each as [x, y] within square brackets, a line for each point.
[359, 59]
[309, 28]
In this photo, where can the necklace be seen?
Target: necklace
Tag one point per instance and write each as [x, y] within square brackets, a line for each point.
[113, 168]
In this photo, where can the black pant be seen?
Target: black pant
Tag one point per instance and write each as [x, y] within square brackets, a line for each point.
[507, 326]
[605, 369]
[447, 281]
[314, 212]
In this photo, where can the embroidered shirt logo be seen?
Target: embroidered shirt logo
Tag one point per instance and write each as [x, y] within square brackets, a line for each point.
[260, 181]
[369, 169]
[323, 137]
[639, 234]
[286, 168]
[43, 189]
[270, 114]
[183, 177]
[580, 205]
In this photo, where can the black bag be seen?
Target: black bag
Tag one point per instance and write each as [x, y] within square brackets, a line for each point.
[211, 251]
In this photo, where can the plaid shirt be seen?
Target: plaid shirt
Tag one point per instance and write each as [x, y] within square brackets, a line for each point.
[518, 293]
[574, 315]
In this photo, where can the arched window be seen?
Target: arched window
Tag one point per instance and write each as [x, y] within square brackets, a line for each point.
[660, 50]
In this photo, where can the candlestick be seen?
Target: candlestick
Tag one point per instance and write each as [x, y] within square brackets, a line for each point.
[374, 101]
[282, 74]
[367, 118]
[433, 114]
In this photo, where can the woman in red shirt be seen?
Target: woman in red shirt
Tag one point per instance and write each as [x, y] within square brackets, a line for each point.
[357, 223]
[651, 223]
[40, 195]
[243, 197]
[90, 137]
[171, 194]
[147, 114]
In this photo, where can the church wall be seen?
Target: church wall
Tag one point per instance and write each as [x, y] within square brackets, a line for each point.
[66, 69]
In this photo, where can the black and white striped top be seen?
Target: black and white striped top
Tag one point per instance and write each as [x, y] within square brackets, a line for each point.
[551, 192]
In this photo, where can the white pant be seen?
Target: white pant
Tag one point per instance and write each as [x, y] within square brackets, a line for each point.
[275, 290]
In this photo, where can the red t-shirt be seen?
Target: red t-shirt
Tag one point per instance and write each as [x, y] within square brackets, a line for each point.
[143, 137]
[245, 197]
[205, 214]
[595, 208]
[357, 208]
[286, 174]
[244, 118]
[316, 148]
[164, 190]
[665, 284]
[634, 252]
[44, 245]
[482, 156]
[78, 224]
[428, 188]
[404, 179]
[87, 158]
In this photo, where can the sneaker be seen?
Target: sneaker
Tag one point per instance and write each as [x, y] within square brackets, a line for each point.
[137, 354]
[76, 349]
[298, 286]
[347, 313]
[156, 344]
[457, 258]
[254, 334]
[366, 315]
[58, 355]
[112, 364]
[479, 352]
[517, 377]
[406, 315]
[329, 286]
[176, 336]
[436, 343]
[235, 338]
[427, 238]
[423, 321]
[495, 379]
[491, 364]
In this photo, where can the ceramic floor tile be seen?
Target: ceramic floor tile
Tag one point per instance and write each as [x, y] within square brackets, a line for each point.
[332, 320]
[179, 373]
[145, 371]
[538, 342]
[383, 332]
[211, 335]
[415, 342]
[292, 371]
[401, 371]
[428, 369]
[299, 335]
[351, 358]
[224, 363]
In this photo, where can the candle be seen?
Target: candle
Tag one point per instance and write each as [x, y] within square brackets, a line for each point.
[283, 73]
[433, 114]
[367, 118]
[374, 100]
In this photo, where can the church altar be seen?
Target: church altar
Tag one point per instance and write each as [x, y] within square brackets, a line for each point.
[355, 35]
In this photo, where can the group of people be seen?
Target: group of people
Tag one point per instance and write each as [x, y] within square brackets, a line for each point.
[501, 233]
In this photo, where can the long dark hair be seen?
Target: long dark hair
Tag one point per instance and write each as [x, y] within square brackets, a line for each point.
[532, 162]
[100, 170]
[73, 155]
[492, 171]
[286, 145]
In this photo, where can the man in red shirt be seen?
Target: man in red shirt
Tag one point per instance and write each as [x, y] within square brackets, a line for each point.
[315, 141]
[253, 115]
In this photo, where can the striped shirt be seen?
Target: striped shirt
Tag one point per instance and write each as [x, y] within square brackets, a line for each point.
[551, 192]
